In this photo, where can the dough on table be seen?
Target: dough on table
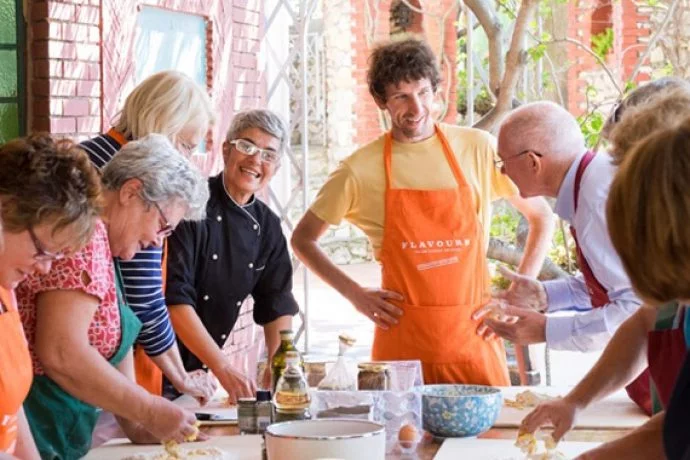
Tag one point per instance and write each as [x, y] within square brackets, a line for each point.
[529, 445]
[180, 453]
[527, 398]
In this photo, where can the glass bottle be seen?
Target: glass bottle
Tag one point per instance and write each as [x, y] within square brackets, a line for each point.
[278, 361]
[291, 398]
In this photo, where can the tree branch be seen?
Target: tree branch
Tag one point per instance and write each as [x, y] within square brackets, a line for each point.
[509, 254]
[598, 58]
[515, 62]
[653, 40]
[487, 17]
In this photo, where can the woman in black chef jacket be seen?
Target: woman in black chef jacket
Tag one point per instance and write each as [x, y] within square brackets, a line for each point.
[238, 251]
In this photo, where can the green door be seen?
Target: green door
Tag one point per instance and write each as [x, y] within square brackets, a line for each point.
[12, 88]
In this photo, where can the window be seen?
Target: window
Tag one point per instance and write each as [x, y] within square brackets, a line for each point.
[12, 88]
[602, 28]
[170, 40]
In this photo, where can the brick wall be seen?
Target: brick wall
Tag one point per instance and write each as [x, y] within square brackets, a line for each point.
[77, 85]
[635, 31]
[65, 88]
[82, 69]
[631, 29]
[367, 117]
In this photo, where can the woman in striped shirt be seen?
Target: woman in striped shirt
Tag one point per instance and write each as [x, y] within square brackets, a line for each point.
[172, 104]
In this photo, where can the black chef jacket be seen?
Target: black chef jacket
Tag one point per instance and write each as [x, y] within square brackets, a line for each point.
[214, 264]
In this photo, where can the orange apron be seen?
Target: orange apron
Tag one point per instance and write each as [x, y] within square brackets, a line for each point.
[433, 254]
[147, 373]
[16, 371]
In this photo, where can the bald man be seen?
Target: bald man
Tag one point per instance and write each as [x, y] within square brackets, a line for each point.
[543, 151]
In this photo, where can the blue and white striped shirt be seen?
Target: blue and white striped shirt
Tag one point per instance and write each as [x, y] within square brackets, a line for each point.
[142, 276]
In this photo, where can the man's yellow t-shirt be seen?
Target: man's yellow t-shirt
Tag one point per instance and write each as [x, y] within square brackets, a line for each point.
[355, 190]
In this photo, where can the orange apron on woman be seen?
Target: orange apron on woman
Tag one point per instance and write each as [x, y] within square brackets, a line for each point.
[16, 372]
[433, 254]
[146, 372]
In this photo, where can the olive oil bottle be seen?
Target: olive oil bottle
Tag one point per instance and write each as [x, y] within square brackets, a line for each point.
[278, 363]
[291, 398]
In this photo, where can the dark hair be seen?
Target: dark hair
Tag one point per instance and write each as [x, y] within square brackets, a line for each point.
[407, 60]
[48, 181]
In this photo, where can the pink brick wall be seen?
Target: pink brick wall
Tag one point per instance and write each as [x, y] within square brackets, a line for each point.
[65, 87]
[82, 62]
[81, 70]
[629, 30]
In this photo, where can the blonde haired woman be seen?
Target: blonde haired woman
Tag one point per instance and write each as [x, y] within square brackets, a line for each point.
[172, 104]
[168, 103]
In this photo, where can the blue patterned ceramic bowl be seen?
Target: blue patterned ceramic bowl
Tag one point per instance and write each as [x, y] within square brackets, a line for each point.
[456, 411]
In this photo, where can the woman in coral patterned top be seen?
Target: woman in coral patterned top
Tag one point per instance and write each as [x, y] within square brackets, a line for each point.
[49, 200]
[80, 330]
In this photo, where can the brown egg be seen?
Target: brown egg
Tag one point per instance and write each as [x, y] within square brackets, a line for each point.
[407, 433]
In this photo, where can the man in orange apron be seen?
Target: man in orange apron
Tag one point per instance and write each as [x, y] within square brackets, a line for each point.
[422, 194]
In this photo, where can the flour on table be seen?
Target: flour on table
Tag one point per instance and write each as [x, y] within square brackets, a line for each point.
[201, 453]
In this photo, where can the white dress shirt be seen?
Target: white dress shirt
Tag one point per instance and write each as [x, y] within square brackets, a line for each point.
[586, 328]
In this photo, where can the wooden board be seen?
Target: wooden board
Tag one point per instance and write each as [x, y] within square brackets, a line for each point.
[499, 449]
[216, 406]
[246, 447]
[615, 412]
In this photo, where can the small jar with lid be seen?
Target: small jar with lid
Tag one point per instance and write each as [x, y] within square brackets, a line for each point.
[264, 410]
[246, 415]
[373, 377]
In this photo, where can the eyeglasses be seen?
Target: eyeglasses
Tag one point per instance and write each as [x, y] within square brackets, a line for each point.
[501, 162]
[616, 112]
[247, 148]
[167, 228]
[186, 148]
[42, 254]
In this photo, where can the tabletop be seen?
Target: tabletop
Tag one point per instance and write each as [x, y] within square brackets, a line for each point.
[429, 446]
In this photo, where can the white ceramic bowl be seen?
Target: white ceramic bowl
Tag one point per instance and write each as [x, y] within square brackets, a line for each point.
[340, 439]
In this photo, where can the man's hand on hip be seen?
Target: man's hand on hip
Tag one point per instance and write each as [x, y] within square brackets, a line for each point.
[371, 302]
[524, 291]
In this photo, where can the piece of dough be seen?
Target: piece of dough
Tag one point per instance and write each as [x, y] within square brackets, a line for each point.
[527, 398]
[528, 444]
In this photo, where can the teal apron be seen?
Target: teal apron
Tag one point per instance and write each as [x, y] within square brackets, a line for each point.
[61, 424]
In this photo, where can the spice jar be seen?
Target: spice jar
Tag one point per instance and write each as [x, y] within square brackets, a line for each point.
[264, 410]
[246, 415]
[373, 377]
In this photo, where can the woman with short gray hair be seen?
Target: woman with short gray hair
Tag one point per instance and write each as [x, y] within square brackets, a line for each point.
[80, 331]
[242, 251]
[163, 172]
[265, 120]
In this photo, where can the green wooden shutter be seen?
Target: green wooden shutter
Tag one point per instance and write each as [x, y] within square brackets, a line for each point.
[12, 88]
